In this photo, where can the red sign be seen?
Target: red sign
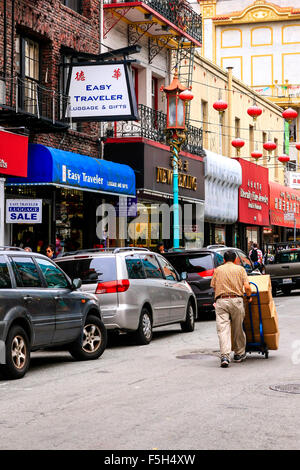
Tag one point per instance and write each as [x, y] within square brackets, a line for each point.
[13, 154]
[253, 194]
[283, 200]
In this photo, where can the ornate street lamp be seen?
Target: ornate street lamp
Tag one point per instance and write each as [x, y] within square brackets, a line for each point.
[177, 97]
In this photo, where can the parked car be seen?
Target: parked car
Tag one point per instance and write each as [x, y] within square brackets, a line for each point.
[200, 265]
[137, 289]
[41, 307]
[284, 269]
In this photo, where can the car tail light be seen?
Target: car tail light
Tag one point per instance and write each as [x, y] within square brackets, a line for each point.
[206, 274]
[111, 287]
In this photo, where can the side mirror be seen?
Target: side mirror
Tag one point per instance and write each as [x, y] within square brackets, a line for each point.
[76, 284]
[183, 276]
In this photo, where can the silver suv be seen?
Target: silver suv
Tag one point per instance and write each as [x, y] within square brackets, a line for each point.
[137, 289]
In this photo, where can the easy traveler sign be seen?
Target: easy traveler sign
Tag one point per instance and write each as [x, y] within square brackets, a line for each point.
[101, 92]
[24, 211]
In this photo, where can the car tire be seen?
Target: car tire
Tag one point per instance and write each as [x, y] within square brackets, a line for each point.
[286, 290]
[189, 324]
[92, 341]
[17, 354]
[144, 333]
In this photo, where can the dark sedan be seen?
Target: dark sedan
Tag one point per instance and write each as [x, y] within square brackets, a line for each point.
[200, 265]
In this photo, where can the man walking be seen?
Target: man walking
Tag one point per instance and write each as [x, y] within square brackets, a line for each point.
[256, 256]
[229, 282]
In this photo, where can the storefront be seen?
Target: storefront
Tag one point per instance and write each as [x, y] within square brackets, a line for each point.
[71, 187]
[223, 176]
[154, 177]
[284, 213]
[13, 162]
[253, 205]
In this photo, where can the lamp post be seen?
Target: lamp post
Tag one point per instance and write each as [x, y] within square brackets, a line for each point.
[177, 96]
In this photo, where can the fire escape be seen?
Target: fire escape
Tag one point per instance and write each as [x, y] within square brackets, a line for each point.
[25, 102]
[171, 24]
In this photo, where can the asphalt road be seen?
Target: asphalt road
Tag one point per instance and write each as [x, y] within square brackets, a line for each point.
[168, 395]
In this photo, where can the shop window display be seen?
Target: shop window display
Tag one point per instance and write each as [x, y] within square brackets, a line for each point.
[69, 219]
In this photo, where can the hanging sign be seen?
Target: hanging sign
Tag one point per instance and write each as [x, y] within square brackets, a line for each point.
[101, 92]
[24, 211]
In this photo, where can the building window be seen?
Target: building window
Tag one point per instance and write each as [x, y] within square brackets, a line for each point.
[135, 81]
[265, 155]
[204, 119]
[251, 138]
[237, 127]
[75, 5]
[293, 131]
[28, 69]
[154, 93]
[64, 73]
[276, 160]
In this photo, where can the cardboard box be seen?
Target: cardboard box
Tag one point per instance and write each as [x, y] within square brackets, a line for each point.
[269, 318]
[272, 341]
[264, 285]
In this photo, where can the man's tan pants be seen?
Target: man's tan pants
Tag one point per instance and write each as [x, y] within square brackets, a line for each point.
[230, 313]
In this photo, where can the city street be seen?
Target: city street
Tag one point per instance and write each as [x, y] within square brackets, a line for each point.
[171, 394]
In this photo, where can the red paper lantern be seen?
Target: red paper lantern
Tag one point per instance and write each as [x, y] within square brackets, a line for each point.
[254, 111]
[289, 114]
[220, 106]
[297, 145]
[269, 146]
[284, 158]
[238, 143]
[186, 95]
[256, 154]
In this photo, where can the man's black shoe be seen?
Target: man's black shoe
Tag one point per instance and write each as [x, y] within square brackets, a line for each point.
[224, 362]
[239, 357]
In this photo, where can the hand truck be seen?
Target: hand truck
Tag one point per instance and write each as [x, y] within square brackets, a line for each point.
[254, 346]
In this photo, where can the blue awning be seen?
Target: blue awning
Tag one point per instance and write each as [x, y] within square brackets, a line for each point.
[47, 165]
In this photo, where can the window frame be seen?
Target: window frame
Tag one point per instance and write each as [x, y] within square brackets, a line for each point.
[16, 275]
[69, 283]
[161, 260]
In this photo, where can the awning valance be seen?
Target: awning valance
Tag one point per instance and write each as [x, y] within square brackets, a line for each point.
[47, 165]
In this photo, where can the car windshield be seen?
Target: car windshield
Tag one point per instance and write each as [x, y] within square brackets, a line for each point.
[90, 270]
[192, 263]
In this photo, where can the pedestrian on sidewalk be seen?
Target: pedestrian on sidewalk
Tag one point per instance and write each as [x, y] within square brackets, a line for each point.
[229, 282]
[256, 256]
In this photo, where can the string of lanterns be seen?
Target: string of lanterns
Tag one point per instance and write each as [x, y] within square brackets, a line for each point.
[254, 111]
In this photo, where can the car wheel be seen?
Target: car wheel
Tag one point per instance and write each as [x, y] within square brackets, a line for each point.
[17, 354]
[144, 332]
[189, 324]
[286, 290]
[92, 341]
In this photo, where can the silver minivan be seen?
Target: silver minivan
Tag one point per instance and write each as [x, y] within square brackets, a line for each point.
[137, 289]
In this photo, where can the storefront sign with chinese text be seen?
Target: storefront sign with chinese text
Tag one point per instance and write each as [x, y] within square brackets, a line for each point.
[101, 92]
[254, 194]
[284, 200]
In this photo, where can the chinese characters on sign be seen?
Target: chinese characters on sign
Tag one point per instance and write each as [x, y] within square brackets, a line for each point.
[101, 92]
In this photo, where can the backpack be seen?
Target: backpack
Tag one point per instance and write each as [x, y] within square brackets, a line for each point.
[254, 255]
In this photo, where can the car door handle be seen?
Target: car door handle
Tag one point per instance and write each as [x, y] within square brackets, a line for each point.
[285, 267]
[57, 297]
[28, 298]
